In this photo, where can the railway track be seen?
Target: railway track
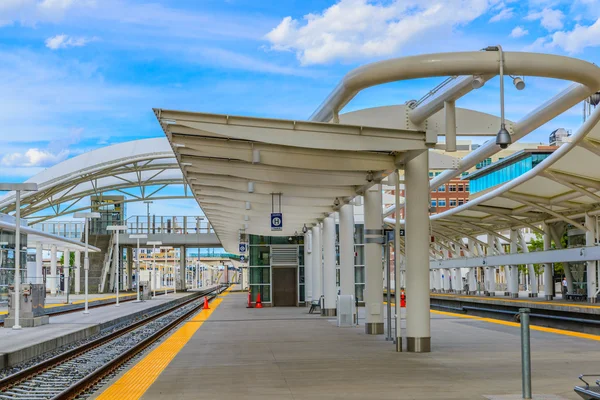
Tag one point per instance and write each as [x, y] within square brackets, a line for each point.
[71, 373]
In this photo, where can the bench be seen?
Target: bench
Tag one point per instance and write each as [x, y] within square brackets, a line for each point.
[314, 305]
[586, 392]
[576, 297]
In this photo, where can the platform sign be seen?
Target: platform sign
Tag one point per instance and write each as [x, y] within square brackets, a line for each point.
[276, 221]
[242, 259]
[402, 232]
[242, 248]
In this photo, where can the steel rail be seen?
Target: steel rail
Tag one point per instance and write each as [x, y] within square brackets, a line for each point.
[34, 370]
[85, 383]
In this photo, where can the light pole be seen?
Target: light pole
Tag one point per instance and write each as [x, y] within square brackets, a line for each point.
[147, 203]
[137, 261]
[117, 229]
[154, 243]
[18, 188]
[86, 259]
[166, 249]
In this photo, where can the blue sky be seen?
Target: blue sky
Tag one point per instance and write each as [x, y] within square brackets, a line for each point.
[80, 74]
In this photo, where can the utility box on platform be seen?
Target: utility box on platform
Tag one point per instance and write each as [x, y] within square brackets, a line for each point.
[32, 312]
[345, 310]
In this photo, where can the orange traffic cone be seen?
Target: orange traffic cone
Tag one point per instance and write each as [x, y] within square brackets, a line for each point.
[206, 307]
[403, 299]
[258, 303]
[249, 305]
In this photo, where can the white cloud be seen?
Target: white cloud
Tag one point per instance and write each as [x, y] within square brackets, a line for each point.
[353, 29]
[64, 41]
[30, 12]
[579, 38]
[550, 19]
[33, 158]
[506, 13]
[519, 32]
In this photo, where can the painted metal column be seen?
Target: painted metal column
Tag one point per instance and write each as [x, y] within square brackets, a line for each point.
[590, 236]
[308, 270]
[533, 287]
[548, 279]
[347, 250]
[398, 262]
[317, 261]
[457, 278]
[472, 278]
[67, 271]
[514, 270]
[53, 281]
[418, 333]
[436, 281]
[492, 270]
[77, 272]
[182, 273]
[329, 286]
[39, 263]
[446, 280]
[373, 261]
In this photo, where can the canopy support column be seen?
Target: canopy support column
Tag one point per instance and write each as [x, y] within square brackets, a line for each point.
[347, 250]
[308, 273]
[418, 334]
[373, 260]
[329, 287]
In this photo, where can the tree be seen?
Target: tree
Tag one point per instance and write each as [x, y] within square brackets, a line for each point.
[71, 259]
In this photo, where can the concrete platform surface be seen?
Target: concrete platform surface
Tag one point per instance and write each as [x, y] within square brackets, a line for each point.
[20, 345]
[286, 353]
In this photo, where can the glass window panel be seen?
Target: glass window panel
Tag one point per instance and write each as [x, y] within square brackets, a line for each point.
[260, 275]
[360, 289]
[265, 292]
[359, 274]
[260, 255]
[302, 298]
[359, 255]
[257, 239]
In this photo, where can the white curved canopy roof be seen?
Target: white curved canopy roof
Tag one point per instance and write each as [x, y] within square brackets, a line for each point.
[146, 165]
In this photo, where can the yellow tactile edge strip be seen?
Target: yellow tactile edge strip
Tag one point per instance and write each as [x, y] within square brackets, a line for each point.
[134, 383]
[491, 299]
[95, 300]
[508, 323]
[514, 324]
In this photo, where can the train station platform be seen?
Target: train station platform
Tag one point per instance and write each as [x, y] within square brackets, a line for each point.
[58, 304]
[17, 346]
[231, 352]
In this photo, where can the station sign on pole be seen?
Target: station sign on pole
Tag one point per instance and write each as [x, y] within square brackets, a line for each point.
[242, 248]
[242, 259]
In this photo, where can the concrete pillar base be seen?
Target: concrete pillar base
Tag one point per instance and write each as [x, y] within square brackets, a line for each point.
[472, 293]
[328, 312]
[533, 295]
[374, 328]
[592, 300]
[398, 345]
[418, 344]
[486, 293]
[514, 295]
[549, 297]
[507, 294]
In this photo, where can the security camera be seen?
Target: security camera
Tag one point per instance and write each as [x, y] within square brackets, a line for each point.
[370, 177]
[336, 202]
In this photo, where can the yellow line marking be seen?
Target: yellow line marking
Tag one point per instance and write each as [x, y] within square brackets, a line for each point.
[53, 305]
[135, 382]
[516, 325]
[553, 303]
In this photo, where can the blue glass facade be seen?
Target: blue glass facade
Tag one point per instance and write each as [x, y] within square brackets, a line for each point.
[506, 172]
